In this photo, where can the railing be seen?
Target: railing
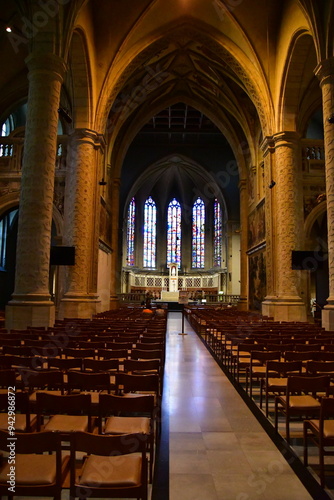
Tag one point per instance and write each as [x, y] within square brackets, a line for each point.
[313, 154]
[11, 153]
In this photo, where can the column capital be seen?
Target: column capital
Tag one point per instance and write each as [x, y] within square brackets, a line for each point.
[88, 136]
[325, 70]
[286, 138]
[267, 145]
[48, 63]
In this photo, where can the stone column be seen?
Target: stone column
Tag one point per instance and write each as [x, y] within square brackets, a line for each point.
[288, 213]
[268, 149]
[115, 273]
[80, 299]
[31, 303]
[325, 72]
[243, 303]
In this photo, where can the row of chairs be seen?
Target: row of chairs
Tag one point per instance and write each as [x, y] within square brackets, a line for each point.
[112, 467]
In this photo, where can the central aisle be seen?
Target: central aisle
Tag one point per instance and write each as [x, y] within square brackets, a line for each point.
[218, 450]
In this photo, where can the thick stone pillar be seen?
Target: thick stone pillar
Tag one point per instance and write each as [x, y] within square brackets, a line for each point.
[31, 303]
[115, 273]
[287, 210]
[325, 73]
[80, 299]
[243, 302]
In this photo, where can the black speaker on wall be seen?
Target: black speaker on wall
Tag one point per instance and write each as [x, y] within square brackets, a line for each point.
[62, 256]
[308, 260]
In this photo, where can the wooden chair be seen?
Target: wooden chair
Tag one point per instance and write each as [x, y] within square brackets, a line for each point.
[321, 433]
[65, 414]
[113, 466]
[36, 474]
[129, 416]
[257, 366]
[34, 381]
[22, 420]
[276, 378]
[301, 398]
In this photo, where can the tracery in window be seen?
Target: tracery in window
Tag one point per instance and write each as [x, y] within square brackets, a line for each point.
[198, 234]
[217, 236]
[130, 234]
[174, 233]
[150, 218]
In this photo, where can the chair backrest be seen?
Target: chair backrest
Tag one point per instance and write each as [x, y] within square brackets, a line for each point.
[100, 365]
[306, 384]
[137, 383]
[78, 353]
[7, 378]
[110, 404]
[73, 404]
[300, 355]
[137, 365]
[65, 364]
[112, 354]
[149, 354]
[264, 356]
[283, 368]
[320, 367]
[41, 379]
[108, 445]
[88, 381]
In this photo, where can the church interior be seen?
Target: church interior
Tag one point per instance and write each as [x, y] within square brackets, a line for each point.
[175, 156]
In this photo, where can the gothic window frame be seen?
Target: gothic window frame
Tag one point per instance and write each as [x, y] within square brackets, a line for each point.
[174, 233]
[150, 234]
[130, 233]
[198, 235]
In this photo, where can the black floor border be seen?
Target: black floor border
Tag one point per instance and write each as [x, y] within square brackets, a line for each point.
[302, 472]
[160, 486]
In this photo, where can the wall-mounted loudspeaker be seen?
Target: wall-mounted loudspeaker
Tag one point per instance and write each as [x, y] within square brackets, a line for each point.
[62, 256]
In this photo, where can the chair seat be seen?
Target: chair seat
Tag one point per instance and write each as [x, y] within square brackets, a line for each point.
[20, 421]
[328, 428]
[117, 471]
[32, 469]
[127, 425]
[302, 402]
[67, 423]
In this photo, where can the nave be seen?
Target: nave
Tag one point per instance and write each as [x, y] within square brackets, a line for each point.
[218, 449]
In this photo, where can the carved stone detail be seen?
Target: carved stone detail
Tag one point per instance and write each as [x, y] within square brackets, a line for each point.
[80, 193]
[288, 214]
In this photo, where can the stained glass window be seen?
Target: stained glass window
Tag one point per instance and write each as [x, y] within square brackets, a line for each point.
[150, 233]
[174, 233]
[198, 234]
[217, 236]
[130, 234]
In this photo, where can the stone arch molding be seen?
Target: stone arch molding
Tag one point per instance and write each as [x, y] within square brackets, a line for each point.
[78, 80]
[294, 82]
[320, 209]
